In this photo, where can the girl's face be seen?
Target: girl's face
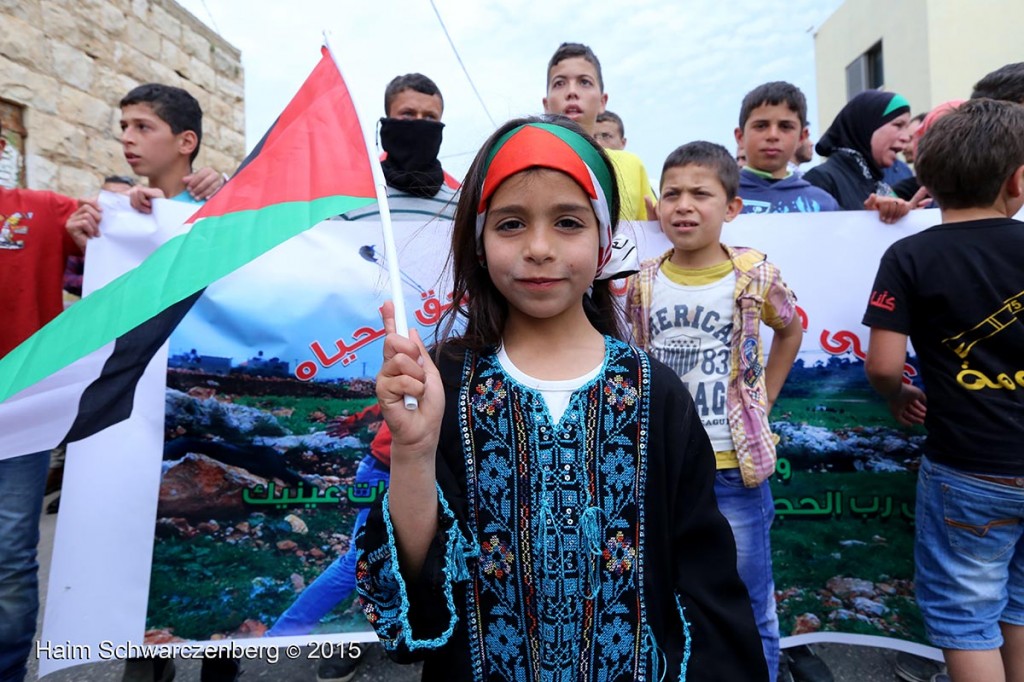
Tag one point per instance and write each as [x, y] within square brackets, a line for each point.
[889, 140]
[541, 245]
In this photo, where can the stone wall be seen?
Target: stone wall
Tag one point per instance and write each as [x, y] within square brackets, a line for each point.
[69, 62]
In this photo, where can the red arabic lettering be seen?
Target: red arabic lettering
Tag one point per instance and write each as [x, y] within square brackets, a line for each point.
[883, 300]
[363, 336]
[326, 361]
[306, 371]
[842, 341]
[803, 317]
[432, 310]
[845, 341]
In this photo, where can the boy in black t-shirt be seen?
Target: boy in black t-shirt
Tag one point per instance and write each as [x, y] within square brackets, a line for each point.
[957, 290]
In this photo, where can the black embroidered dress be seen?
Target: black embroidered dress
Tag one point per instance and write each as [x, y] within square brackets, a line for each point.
[590, 549]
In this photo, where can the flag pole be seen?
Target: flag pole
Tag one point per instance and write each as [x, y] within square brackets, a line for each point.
[379, 183]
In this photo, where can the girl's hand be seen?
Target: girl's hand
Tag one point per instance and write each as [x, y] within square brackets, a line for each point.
[408, 370]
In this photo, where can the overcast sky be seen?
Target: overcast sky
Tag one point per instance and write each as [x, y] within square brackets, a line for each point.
[675, 71]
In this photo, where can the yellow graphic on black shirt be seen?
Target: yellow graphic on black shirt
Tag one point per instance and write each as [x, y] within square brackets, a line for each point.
[961, 344]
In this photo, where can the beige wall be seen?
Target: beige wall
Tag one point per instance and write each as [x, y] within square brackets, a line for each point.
[852, 30]
[933, 50]
[970, 38]
[69, 62]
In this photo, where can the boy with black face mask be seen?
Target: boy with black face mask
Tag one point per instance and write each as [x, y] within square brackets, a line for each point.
[410, 133]
[418, 189]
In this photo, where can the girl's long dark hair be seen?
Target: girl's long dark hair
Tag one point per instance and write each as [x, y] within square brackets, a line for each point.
[475, 299]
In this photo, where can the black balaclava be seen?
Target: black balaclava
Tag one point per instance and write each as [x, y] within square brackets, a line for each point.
[412, 146]
[856, 123]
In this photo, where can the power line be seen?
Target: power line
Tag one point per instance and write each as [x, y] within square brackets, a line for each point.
[210, 14]
[459, 59]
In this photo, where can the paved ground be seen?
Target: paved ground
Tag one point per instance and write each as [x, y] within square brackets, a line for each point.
[848, 663]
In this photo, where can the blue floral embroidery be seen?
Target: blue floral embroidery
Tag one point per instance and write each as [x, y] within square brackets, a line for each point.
[503, 641]
[382, 590]
[494, 474]
[556, 506]
[617, 641]
[556, 586]
[618, 469]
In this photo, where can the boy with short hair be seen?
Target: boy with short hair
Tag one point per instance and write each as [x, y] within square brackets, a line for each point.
[957, 291]
[1005, 83]
[161, 131]
[773, 125]
[575, 89]
[698, 309]
[609, 131]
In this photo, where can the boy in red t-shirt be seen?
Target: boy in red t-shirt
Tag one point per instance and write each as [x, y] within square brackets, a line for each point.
[33, 248]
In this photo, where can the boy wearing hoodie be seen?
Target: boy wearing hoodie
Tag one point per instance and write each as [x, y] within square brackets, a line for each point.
[773, 124]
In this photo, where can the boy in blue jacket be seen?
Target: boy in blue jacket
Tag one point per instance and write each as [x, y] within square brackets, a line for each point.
[773, 123]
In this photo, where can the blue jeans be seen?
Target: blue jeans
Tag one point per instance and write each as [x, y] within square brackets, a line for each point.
[750, 512]
[22, 481]
[339, 580]
[969, 557]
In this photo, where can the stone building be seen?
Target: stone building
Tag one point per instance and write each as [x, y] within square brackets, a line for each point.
[65, 64]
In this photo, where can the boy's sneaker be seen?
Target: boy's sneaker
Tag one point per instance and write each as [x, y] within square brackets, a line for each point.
[941, 677]
[805, 666]
[916, 668]
[337, 669]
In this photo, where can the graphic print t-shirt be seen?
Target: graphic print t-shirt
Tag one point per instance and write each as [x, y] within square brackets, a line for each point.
[958, 291]
[691, 330]
[33, 249]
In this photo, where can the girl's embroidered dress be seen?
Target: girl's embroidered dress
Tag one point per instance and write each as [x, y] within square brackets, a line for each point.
[588, 549]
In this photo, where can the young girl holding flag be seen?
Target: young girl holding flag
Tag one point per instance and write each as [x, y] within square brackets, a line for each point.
[551, 513]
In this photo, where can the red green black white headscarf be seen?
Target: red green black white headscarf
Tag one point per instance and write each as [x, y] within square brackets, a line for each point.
[544, 145]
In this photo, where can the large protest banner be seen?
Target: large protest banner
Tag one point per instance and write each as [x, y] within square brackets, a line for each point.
[231, 489]
[162, 540]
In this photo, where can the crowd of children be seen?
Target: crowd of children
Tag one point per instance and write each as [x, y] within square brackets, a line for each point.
[521, 515]
[558, 507]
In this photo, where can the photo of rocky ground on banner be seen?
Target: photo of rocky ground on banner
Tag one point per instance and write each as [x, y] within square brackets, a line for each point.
[843, 537]
[253, 504]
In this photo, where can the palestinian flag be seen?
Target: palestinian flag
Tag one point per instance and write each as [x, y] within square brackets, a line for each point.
[77, 375]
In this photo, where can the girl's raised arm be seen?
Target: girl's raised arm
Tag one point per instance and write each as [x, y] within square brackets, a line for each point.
[412, 496]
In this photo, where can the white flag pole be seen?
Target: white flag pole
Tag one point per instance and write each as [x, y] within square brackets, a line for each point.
[394, 272]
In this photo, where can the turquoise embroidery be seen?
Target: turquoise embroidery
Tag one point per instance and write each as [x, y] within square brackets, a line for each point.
[559, 507]
[554, 539]
[377, 574]
[686, 636]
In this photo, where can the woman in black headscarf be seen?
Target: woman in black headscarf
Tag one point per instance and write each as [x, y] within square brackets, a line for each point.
[864, 138]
